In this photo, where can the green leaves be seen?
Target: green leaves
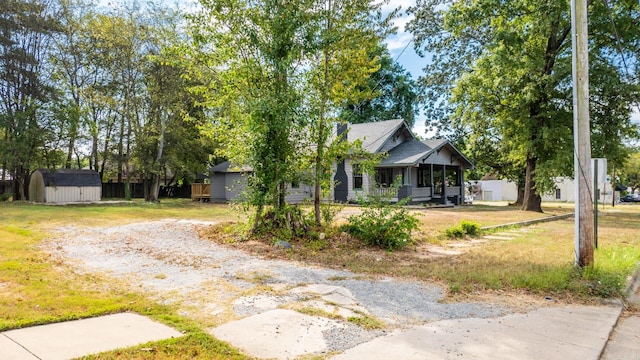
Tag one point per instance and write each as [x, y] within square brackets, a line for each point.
[502, 72]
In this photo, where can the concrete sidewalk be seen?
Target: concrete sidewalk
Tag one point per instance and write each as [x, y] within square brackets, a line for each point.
[78, 338]
[566, 332]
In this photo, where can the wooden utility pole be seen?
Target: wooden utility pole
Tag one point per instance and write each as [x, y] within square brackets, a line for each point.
[584, 235]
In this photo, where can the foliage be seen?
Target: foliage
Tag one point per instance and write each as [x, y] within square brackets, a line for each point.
[25, 30]
[256, 49]
[341, 60]
[464, 228]
[501, 79]
[630, 172]
[395, 94]
[383, 224]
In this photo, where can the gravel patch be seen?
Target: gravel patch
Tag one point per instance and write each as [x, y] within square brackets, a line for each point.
[167, 260]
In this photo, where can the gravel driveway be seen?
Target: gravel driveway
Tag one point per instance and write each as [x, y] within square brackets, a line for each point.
[217, 285]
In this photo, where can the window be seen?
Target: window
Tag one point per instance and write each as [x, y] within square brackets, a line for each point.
[295, 184]
[437, 181]
[384, 177]
[424, 177]
[452, 177]
[558, 197]
[357, 176]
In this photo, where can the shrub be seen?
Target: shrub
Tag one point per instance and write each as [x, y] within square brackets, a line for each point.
[469, 227]
[464, 228]
[454, 232]
[382, 224]
[5, 196]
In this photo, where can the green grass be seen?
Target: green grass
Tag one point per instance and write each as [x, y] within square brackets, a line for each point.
[35, 288]
[197, 345]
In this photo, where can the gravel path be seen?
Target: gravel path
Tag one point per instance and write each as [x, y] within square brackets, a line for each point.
[167, 260]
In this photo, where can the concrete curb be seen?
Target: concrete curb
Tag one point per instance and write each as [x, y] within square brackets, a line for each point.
[633, 282]
[527, 222]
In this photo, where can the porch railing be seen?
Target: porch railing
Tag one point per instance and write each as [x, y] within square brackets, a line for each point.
[384, 192]
[420, 192]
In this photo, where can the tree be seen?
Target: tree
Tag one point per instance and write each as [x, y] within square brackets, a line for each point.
[395, 94]
[344, 60]
[630, 172]
[256, 48]
[25, 27]
[168, 137]
[503, 68]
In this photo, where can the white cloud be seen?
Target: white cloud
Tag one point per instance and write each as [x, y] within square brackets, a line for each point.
[635, 114]
[398, 42]
[393, 4]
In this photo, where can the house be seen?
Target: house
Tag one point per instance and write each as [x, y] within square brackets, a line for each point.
[227, 182]
[563, 191]
[65, 186]
[430, 170]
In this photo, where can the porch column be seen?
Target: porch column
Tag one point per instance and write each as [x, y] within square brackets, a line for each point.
[443, 199]
[431, 176]
[462, 186]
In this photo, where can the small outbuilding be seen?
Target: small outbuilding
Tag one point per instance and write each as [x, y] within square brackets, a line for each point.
[65, 186]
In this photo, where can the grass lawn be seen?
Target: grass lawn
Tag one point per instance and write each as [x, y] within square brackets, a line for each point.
[36, 289]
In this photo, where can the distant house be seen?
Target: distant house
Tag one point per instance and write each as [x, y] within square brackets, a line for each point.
[430, 170]
[65, 186]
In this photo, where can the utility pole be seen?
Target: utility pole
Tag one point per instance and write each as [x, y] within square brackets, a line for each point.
[584, 233]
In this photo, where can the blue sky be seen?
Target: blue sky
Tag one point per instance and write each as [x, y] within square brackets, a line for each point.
[401, 48]
[397, 45]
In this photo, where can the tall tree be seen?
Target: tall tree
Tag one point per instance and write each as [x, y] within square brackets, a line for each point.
[342, 61]
[504, 68]
[25, 26]
[395, 94]
[168, 136]
[256, 47]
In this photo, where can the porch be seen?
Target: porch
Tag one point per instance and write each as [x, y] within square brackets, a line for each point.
[422, 183]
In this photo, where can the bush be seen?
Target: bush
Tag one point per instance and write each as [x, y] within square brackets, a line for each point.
[5, 196]
[454, 232]
[469, 227]
[382, 224]
[464, 228]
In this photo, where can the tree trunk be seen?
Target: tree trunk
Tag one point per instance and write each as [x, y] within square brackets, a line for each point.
[153, 188]
[532, 200]
[520, 199]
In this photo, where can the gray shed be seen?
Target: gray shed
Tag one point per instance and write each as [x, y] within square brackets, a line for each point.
[65, 186]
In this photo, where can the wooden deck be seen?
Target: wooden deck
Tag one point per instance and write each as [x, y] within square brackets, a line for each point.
[200, 192]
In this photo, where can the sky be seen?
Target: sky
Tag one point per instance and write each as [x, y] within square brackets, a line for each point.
[400, 46]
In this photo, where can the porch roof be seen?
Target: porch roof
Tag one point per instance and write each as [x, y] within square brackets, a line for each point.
[411, 153]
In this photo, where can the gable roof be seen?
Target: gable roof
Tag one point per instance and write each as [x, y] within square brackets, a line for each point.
[226, 167]
[70, 177]
[413, 152]
[375, 134]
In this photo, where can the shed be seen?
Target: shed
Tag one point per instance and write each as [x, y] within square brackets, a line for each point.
[65, 186]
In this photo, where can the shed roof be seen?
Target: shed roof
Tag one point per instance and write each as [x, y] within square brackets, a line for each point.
[70, 177]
